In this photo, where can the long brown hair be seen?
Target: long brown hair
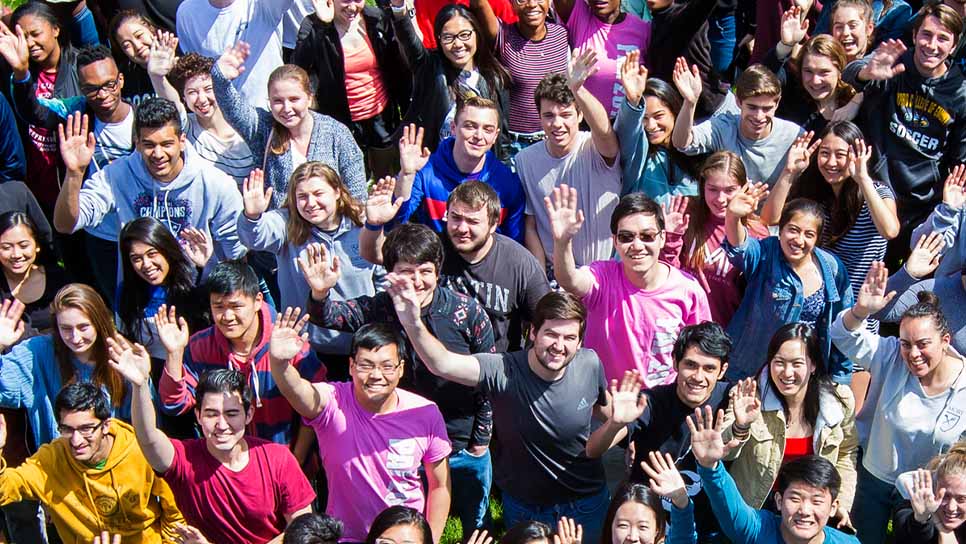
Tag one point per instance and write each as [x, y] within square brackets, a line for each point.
[297, 228]
[80, 297]
[281, 137]
[824, 45]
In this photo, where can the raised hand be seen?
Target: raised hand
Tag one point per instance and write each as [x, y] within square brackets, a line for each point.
[14, 50]
[883, 64]
[954, 190]
[800, 153]
[324, 10]
[565, 218]
[745, 402]
[480, 536]
[568, 532]
[626, 399]
[254, 195]
[287, 336]
[412, 155]
[706, 442]
[924, 259]
[106, 538]
[190, 535]
[666, 481]
[793, 26]
[76, 143]
[872, 295]
[676, 216]
[687, 81]
[319, 273]
[382, 206]
[745, 201]
[633, 77]
[582, 65]
[162, 56]
[172, 330]
[231, 63]
[404, 299]
[129, 360]
[11, 324]
[197, 245]
[925, 502]
[859, 155]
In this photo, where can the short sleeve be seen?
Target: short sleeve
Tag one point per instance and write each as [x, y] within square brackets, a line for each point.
[601, 382]
[180, 468]
[493, 373]
[438, 445]
[706, 135]
[294, 490]
[598, 270]
[321, 421]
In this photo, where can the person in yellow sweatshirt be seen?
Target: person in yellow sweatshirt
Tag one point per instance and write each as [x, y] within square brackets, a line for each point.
[93, 478]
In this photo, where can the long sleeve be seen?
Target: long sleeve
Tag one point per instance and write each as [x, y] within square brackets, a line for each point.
[634, 145]
[682, 529]
[944, 220]
[17, 374]
[739, 522]
[907, 529]
[745, 257]
[96, 198]
[848, 457]
[267, 233]
[863, 347]
[907, 289]
[348, 316]
[21, 483]
[14, 165]
[412, 48]
[671, 252]
[252, 124]
[170, 516]
[178, 396]
[351, 165]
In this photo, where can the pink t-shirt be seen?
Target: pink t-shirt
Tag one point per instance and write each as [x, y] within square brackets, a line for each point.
[372, 460]
[612, 43]
[244, 507]
[636, 329]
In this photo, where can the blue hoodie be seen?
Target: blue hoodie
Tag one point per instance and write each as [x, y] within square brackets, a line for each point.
[200, 196]
[435, 181]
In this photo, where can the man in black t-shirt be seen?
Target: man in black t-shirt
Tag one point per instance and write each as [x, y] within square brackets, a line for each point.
[657, 420]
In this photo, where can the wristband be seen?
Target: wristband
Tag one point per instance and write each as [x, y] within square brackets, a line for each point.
[373, 228]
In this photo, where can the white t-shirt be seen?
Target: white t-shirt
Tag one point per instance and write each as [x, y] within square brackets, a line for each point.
[208, 31]
[113, 140]
[231, 156]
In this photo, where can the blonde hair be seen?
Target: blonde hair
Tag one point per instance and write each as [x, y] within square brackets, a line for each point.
[297, 228]
[280, 137]
[953, 462]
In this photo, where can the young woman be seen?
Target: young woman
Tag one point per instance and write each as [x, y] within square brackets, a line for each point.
[30, 271]
[695, 230]
[291, 133]
[935, 514]
[132, 35]
[637, 515]
[649, 162]
[852, 23]
[317, 210]
[401, 525]
[33, 371]
[789, 279]
[528, 532]
[801, 412]
[462, 65]
[914, 405]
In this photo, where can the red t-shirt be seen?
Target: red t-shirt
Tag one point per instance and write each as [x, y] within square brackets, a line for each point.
[248, 506]
[43, 152]
[426, 11]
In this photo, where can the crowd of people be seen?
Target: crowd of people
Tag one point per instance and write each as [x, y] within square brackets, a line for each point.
[323, 271]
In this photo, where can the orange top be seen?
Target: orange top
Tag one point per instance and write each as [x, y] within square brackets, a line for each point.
[363, 82]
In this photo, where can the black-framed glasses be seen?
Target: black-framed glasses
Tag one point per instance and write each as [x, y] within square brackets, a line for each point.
[85, 431]
[448, 39]
[94, 90]
[387, 369]
[647, 236]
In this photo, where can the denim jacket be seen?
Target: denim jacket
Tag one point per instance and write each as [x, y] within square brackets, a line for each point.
[774, 297]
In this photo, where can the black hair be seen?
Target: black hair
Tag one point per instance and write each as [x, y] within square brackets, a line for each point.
[395, 516]
[927, 305]
[553, 88]
[81, 397]
[44, 11]
[813, 470]
[414, 244]
[228, 277]
[484, 59]
[11, 219]
[155, 113]
[89, 54]
[376, 335]
[559, 305]
[709, 337]
[804, 206]
[313, 528]
[527, 531]
[223, 380]
[636, 203]
[641, 494]
[679, 164]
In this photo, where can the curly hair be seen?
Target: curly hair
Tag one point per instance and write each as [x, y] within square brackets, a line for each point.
[189, 66]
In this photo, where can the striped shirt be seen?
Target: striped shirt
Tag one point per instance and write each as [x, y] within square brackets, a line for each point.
[231, 156]
[528, 61]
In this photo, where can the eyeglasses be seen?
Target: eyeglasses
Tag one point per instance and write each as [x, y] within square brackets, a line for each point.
[93, 91]
[526, 2]
[86, 431]
[387, 369]
[648, 237]
[448, 39]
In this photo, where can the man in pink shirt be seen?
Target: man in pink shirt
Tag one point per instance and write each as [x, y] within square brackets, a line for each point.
[373, 437]
[638, 304]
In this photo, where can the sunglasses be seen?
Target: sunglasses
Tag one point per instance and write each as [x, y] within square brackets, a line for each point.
[648, 236]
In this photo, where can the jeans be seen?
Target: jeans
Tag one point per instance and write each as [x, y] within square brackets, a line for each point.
[721, 34]
[588, 511]
[24, 522]
[872, 509]
[472, 478]
[518, 142]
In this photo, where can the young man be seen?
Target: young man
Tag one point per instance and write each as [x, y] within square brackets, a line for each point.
[637, 304]
[414, 251]
[754, 134]
[94, 477]
[587, 161]
[373, 436]
[239, 340]
[543, 401]
[654, 420]
[493, 269]
[426, 180]
[231, 487]
[914, 113]
[806, 493]
[165, 180]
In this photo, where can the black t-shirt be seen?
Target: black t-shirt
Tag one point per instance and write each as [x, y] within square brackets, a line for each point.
[137, 83]
[663, 427]
[508, 282]
[163, 12]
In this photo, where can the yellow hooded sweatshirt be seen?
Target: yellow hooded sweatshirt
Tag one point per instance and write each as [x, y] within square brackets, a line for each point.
[124, 497]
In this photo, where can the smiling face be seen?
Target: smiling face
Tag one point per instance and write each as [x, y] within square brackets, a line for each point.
[820, 76]
[805, 510]
[235, 314]
[658, 121]
[101, 84]
[86, 436]
[531, 13]
[952, 509]
[348, 11]
[921, 345]
[317, 202]
[698, 374]
[634, 523]
[372, 382]
[77, 331]
[148, 263]
[790, 369]
[934, 43]
[457, 40]
[199, 96]
[556, 343]
[561, 124]
[798, 237]
[833, 159]
[135, 40]
[638, 256]
[757, 114]
[851, 30]
[289, 102]
[475, 131]
[161, 149]
[424, 277]
[468, 229]
[41, 39]
[719, 189]
[605, 10]
[222, 418]
[18, 250]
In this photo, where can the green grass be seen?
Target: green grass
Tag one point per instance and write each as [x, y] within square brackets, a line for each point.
[453, 532]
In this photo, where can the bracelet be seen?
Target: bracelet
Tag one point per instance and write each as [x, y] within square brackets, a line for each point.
[740, 428]
[373, 228]
[855, 315]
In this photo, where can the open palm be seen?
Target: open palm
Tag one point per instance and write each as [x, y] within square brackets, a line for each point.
[565, 218]
[287, 338]
[129, 360]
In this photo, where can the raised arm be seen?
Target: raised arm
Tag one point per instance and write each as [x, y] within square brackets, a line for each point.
[563, 9]
[160, 63]
[381, 208]
[741, 206]
[565, 223]
[488, 20]
[797, 160]
[883, 211]
[629, 124]
[581, 67]
[872, 297]
[286, 344]
[174, 336]
[77, 149]
[462, 369]
[627, 405]
[884, 62]
[688, 83]
[412, 158]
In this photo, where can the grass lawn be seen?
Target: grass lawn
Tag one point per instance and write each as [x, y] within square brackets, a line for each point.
[453, 532]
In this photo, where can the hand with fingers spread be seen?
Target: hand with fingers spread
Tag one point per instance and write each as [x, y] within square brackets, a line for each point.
[319, 273]
[872, 295]
[859, 155]
[676, 216]
[925, 257]
[129, 360]
[884, 63]
[480, 536]
[745, 201]
[633, 77]
[14, 50]
[565, 218]
[954, 190]
[172, 329]
[666, 481]
[627, 402]
[106, 538]
[412, 155]
[793, 26]
[190, 535]
[568, 532]
[231, 63]
[706, 442]
[324, 10]
[382, 206]
[404, 299]
[745, 402]
[687, 80]
[161, 59]
[197, 245]
[254, 194]
[287, 336]
[582, 65]
[77, 143]
[924, 500]
[800, 153]
[11, 322]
